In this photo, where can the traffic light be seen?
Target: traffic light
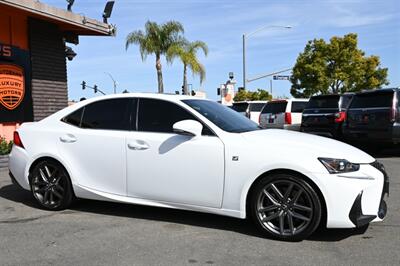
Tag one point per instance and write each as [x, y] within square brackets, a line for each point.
[95, 88]
[218, 91]
[193, 93]
[183, 90]
[83, 85]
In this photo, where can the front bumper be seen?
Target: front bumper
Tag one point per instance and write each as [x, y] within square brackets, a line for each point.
[356, 215]
[341, 193]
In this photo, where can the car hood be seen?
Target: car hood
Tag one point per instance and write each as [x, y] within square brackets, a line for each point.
[302, 143]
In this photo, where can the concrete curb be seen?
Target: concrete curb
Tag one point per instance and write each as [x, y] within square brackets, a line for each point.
[3, 162]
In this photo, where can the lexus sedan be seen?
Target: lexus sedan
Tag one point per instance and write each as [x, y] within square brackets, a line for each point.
[182, 152]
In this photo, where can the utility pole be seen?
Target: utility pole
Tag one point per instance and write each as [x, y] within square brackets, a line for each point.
[244, 61]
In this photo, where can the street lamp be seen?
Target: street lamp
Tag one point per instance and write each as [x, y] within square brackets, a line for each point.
[247, 35]
[114, 82]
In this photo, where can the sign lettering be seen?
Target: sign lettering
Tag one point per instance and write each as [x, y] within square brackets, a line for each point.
[5, 50]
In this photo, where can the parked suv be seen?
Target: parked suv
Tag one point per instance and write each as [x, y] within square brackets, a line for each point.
[374, 115]
[284, 114]
[324, 115]
[250, 109]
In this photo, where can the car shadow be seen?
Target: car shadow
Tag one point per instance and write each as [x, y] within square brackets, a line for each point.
[245, 227]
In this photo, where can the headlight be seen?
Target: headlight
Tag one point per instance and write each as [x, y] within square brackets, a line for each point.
[335, 166]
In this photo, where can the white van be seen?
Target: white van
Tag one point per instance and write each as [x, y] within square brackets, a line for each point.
[250, 109]
[285, 114]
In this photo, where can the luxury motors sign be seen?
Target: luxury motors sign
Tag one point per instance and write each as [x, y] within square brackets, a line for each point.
[12, 85]
[15, 85]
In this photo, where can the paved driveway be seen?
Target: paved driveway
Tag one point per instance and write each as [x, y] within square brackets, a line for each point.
[100, 233]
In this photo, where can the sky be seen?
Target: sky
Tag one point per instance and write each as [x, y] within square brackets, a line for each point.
[221, 24]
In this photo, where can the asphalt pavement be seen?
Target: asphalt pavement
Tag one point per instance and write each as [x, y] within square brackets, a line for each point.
[102, 233]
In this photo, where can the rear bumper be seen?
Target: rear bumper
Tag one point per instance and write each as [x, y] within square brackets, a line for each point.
[391, 135]
[17, 166]
[329, 131]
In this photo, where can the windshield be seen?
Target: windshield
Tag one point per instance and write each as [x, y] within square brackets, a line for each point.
[274, 107]
[222, 116]
[373, 100]
[256, 107]
[324, 102]
[240, 107]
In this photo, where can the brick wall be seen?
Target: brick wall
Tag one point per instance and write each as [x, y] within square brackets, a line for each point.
[49, 71]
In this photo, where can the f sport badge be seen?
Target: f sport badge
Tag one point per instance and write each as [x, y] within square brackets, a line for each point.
[12, 86]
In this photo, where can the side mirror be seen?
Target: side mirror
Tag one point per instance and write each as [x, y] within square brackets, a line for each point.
[188, 127]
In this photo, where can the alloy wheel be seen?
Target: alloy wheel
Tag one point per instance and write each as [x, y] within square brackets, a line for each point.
[49, 185]
[284, 208]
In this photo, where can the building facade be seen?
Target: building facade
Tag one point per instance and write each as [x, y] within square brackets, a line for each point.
[33, 50]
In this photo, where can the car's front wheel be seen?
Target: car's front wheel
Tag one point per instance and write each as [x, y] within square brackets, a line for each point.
[51, 186]
[285, 207]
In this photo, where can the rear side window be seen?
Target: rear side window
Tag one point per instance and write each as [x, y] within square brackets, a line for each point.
[274, 107]
[159, 116]
[111, 114]
[345, 100]
[373, 100]
[74, 118]
[240, 107]
[323, 102]
[298, 107]
[256, 107]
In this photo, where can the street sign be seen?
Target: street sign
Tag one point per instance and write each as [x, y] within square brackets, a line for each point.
[279, 77]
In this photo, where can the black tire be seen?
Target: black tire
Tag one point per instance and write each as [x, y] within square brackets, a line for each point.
[282, 213]
[51, 185]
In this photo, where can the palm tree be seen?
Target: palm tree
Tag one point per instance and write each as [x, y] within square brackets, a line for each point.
[156, 39]
[187, 53]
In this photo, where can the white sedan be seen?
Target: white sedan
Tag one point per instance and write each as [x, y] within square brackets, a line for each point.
[181, 152]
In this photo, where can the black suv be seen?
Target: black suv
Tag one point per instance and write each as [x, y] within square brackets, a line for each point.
[325, 114]
[374, 115]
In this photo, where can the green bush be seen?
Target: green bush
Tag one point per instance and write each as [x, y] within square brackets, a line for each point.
[5, 146]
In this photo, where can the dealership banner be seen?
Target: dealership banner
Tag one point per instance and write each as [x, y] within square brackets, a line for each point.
[15, 85]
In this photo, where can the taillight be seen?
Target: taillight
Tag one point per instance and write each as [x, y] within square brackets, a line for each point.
[340, 117]
[394, 114]
[288, 118]
[17, 140]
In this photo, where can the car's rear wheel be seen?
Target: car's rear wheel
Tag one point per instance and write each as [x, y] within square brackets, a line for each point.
[285, 207]
[51, 185]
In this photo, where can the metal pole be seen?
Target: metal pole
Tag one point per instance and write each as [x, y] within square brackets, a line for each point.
[244, 61]
[270, 82]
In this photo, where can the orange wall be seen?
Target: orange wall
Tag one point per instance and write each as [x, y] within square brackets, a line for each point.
[13, 31]
[14, 28]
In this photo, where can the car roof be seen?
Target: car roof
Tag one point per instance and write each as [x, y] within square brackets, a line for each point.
[251, 101]
[288, 100]
[378, 90]
[162, 96]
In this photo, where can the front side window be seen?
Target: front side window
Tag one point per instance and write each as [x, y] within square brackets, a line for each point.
[160, 116]
[222, 116]
[113, 114]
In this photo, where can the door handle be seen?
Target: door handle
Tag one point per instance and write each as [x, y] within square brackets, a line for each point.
[68, 138]
[138, 145]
